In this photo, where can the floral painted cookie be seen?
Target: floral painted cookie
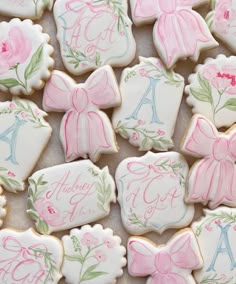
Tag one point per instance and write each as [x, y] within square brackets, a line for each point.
[169, 264]
[24, 133]
[222, 21]
[179, 31]
[93, 255]
[94, 33]
[148, 90]
[212, 178]
[85, 130]
[151, 192]
[32, 9]
[212, 89]
[26, 257]
[216, 233]
[3, 211]
[69, 195]
[25, 57]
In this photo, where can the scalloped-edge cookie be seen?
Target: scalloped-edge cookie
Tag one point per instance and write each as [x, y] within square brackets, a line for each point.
[25, 57]
[216, 233]
[170, 263]
[85, 130]
[93, 255]
[94, 33]
[151, 192]
[179, 32]
[32, 9]
[69, 195]
[151, 97]
[27, 257]
[212, 90]
[24, 133]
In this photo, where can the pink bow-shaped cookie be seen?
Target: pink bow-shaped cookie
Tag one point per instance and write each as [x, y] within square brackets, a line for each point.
[213, 177]
[170, 264]
[85, 130]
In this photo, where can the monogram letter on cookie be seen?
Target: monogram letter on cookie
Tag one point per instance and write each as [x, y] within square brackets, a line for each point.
[85, 130]
[179, 32]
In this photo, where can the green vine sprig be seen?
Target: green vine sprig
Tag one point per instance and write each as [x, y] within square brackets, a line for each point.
[7, 180]
[215, 280]
[104, 192]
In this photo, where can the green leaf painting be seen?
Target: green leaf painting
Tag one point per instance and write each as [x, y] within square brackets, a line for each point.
[9, 180]
[35, 63]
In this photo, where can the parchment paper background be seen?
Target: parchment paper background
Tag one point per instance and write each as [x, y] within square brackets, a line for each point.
[53, 155]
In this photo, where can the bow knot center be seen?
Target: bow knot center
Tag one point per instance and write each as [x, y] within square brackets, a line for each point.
[163, 262]
[79, 100]
[221, 149]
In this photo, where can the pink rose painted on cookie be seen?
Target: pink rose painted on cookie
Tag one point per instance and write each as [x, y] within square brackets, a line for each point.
[224, 15]
[14, 49]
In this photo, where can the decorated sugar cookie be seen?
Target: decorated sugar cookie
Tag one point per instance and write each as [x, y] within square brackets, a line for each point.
[32, 9]
[212, 177]
[222, 22]
[26, 257]
[3, 211]
[94, 33]
[172, 263]
[25, 57]
[93, 255]
[24, 133]
[148, 90]
[216, 233]
[179, 32]
[212, 89]
[85, 130]
[151, 192]
[69, 195]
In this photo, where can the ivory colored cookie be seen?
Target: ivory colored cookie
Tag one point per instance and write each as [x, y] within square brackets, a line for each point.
[85, 130]
[151, 98]
[24, 133]
[32, 9]
[69, 195]
[172, 263]
[212, 89]
[93, 255]
[3, 211]
[94, 33]
[25, 56]
[212, 177]
[151, 192]
[222, 22]
[216, 233]
[26, 257]
[179, 31]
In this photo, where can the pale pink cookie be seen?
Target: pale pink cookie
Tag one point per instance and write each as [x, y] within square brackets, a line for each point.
[216, 233]
[151, 98]
[24, 133]
[3, 210]
[222, 21]
[212, 177]
[151, 191]
[93, 255]
[94, 33]
[212, 89]
[27, 257]
[25, 56]
[85, 130]
[70, 195]
[166, 264]
[32, 9]
[179, 32]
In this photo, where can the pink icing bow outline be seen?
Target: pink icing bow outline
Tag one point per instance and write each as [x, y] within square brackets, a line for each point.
[21, 256]
[167, 265]
[178, 30]
[213, 177]
[84, 129]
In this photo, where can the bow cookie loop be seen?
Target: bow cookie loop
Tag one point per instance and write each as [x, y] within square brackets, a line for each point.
[85, 130]
[211, 178]
[172, 263]
[179, 32]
